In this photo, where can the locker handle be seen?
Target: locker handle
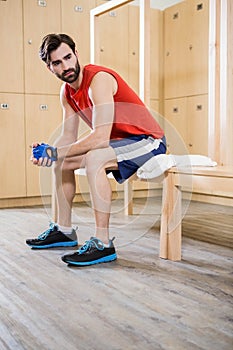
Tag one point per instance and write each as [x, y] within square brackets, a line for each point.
[190, 145]
[175, 110]
[199, 7]
[176, 15]
[199, 107]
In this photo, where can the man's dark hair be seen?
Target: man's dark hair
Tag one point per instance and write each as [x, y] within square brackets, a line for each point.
[51, 42]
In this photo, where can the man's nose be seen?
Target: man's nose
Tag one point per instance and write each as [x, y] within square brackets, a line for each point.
[65, 66]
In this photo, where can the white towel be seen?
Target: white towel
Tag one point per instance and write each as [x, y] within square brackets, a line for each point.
[157, 165]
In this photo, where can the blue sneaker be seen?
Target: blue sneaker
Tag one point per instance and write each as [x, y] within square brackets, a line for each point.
[53, 238]
[92, 252]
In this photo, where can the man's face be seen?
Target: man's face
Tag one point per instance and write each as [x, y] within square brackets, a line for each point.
[64, 64]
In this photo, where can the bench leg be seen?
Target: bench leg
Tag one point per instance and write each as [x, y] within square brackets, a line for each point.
[128, 197]
[170, 230]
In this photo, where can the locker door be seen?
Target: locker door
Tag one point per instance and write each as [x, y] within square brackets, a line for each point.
[12, 151]
[43, 123]
[175, 50]
[133, 65]
[198, 47]
[155, 53]
[197, 111]
[76, 23]
[40, 19]
[175, 125]
[114, 40]
[11, 40]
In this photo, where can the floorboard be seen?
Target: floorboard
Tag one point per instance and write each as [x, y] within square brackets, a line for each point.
[137, 302]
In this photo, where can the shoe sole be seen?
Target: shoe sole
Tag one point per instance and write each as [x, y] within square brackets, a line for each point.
[54, 245]
[98, 261]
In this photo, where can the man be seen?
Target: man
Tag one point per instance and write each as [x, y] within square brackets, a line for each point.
[124, 136]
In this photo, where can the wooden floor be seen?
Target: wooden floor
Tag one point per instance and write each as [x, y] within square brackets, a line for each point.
[137, 302]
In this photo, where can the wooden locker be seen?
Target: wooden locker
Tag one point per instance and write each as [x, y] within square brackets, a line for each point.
[154, 105]
[133, 57]
[114, 40]
[40, 19]
[76, 23]
[175, 125]
[175, 51]
[155, 50]
[12, 152]
[43, 124]
[198, 47]
[11, 40]
[156, 53]
[197, 114]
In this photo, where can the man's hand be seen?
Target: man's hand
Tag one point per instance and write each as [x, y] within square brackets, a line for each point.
[43, 154]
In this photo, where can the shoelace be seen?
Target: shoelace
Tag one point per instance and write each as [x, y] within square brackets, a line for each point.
[45, 234]
[93, 242]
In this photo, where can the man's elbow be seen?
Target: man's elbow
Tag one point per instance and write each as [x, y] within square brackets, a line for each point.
[101, 140]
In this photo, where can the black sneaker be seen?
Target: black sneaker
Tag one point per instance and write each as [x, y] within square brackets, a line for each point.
[53, 238]
[92, 252]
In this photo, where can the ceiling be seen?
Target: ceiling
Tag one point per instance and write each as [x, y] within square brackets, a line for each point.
[159, 4]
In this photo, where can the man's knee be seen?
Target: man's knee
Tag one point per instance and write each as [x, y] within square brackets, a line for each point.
[93, 161]
[100, 159]
[61, 166]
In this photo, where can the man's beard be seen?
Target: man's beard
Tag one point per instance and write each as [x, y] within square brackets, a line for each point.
[72, 77]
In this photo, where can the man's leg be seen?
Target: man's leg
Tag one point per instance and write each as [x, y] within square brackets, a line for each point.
[61, 234]
[97, 162]
[65, 187]
[98, 249]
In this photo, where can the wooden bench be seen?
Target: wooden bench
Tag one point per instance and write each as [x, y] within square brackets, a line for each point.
[209, 180]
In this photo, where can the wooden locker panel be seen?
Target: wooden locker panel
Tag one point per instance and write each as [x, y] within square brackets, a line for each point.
[76, 23]
[12, 151]
[11, 39]
[40, 19]
[155, 50]
[114, 40]
[156, 21]
[175, 50]
[154, 105]
[43, 124]
[133, 62]
[198, 47]
[197, 113]
[175, 125]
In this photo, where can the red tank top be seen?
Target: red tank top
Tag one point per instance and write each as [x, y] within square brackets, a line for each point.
[131, 115]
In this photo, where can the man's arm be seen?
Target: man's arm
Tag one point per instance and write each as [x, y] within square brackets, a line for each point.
[70, 122]
[101, 92]
[69, 131]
